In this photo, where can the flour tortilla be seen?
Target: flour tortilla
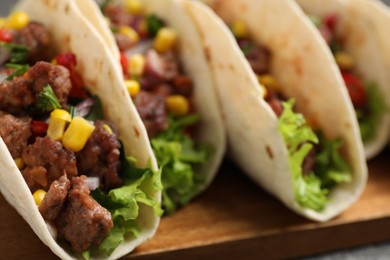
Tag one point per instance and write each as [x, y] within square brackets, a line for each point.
[305, 69]
[210, 129]
[71, 32]
[358, 40]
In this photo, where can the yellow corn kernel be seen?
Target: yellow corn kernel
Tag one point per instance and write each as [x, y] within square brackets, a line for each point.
[133, 87]
[2, 22]
[268, 81]
[38, 196]
[54, 61]
[20, 163]
[129, 32]
[108, 129]
[17, 20]
[57, 124]
[77, 134]
[177, 105]
[344, 60]
[265, 91]
[239, 29]
[134, 6]
[136, 65]
[165, 40]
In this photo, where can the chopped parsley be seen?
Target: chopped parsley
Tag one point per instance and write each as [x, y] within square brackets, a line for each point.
[47, 100]
[20, 69]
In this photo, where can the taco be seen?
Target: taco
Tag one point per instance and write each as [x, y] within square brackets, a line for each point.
[290, 124]
[75, 162]
[168, 76]
[357, 51]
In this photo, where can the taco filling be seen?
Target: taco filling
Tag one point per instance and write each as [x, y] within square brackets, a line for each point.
[316, 163]
[70, 157]
[365, 95]
[162, 94]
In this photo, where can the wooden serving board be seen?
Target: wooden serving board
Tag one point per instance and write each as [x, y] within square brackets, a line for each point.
[235, 219]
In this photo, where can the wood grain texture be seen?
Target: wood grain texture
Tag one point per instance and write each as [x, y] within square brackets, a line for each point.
[234, 218]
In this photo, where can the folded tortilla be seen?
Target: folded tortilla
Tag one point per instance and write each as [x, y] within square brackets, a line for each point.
[358, 34]
[194, 59]
[71, 32]
[305, 69]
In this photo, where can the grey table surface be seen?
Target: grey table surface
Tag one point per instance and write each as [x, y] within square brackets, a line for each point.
[376, 251]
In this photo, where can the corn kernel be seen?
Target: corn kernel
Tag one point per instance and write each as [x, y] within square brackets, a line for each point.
[108, 129]
[177, 105]
[239, 29]
[54, 61]
[38, 196]
[129, 32]
[17, 20]
[268, 81]
[264, 90]
[136, 65]
[58, 120]
[133, 87]
[20, 163]
[134, 6]
[2, 22]
[165, 40]
[344, 60]
[77, 134]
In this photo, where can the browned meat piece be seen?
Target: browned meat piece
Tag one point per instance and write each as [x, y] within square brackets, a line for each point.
[163, 90]
[35, 177]
[309, 162]
[257, 55]
[50, 155]
[183, 85]
[100, 157]
[36, 39]
[83, 222]
[55, 198]
[151, 108]
[170, 65]
[118, 16]
[15, 133]
[20, 93]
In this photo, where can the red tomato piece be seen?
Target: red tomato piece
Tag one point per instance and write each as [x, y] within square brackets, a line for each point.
[124, 63]
[67, 60]
[5, 35]
[356, 89]
[77, 89]
[38, 128]
[331, 21]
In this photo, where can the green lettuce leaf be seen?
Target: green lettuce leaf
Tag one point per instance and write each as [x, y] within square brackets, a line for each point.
[123, 203]
[178, 155]
[368, 122]
[330, 168]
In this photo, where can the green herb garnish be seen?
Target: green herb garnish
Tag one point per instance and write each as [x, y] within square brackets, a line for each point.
[18, 52]
[154, 24]
[47, 100]
[19, 70]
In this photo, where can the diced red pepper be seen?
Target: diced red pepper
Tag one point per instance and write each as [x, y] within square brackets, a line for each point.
[67, 60]
[38, 128]
[330, 21]
[5, 35]
[356, 90]
[124, 63]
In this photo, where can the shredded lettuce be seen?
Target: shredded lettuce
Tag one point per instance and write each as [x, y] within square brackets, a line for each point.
[178, 155]
[368, 122]
[123, 203]
[330, 168]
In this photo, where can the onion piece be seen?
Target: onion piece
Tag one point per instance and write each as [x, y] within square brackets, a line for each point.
[84, 108]
[140, 48]
[92, 182]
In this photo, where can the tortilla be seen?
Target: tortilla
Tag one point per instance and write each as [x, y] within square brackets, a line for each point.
[359, 41]
[70, 32]
[196, 65]
[303, 65]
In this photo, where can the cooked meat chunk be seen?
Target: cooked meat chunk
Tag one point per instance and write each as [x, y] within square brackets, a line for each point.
[257, 55]
[20, 93]
[83, 222]
[55, 198]
[100, 156]
[35, 177]
[118, 15]
[183, 85]
[151, 108]
[170, 65]
[36, 39]
[15, 133]
[123, 41]
[50, 155]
